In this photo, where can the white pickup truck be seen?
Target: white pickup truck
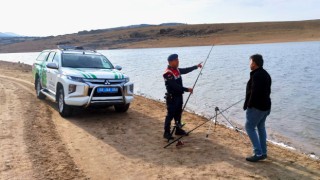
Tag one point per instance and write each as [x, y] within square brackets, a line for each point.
[74, 76]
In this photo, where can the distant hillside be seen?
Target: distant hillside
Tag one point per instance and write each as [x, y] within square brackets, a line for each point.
[126, 27]
[9, 34]
[176, 34]
[14, 40]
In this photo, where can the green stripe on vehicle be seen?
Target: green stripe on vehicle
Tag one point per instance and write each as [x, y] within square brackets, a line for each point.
[86, 75]
[119, 75]
[115, 75]
[94, 76]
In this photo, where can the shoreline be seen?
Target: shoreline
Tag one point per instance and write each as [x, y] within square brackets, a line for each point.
[148, 46]
[216, 44]
[102, 143]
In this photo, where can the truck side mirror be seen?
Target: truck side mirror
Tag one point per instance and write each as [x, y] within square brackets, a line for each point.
[52, 65]
[117, 67]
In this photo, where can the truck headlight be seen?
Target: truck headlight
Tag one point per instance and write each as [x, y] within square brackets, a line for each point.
[126, 79]
[73, 78]
[72, 88]
[131, 88]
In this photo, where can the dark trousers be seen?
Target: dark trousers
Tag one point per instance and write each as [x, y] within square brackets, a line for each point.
[174, 109]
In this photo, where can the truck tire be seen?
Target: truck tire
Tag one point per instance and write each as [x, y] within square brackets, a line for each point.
[122, 108]
[38, 90]
[64, 109]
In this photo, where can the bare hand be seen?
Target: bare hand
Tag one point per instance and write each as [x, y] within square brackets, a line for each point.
[199, 65]
[190, 90]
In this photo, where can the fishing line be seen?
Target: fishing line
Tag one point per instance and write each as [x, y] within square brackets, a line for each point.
[202, 123]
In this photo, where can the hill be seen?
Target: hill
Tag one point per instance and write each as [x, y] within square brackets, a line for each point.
[9, 34]
[175, 34]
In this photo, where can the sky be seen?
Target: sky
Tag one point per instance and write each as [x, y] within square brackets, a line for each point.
[45, 18]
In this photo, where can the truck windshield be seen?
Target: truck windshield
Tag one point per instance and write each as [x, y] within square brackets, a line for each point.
[85, 61]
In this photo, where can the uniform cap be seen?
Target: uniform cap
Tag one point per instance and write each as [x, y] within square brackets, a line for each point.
[173, 57]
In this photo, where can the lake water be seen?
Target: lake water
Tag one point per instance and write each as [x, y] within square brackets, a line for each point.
[294, 68]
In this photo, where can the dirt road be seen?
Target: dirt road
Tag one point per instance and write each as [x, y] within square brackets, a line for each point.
[36, 143]
[30, 146]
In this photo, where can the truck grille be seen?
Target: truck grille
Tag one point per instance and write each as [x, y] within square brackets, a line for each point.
[105, 81]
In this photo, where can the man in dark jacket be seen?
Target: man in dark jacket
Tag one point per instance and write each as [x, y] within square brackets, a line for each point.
[175, 90]
[257, 106]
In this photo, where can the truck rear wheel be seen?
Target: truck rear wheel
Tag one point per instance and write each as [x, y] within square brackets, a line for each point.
[38, 90]
[64, 109]
[122, 108]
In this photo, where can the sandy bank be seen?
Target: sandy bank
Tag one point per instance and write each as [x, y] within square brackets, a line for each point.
[102, 144]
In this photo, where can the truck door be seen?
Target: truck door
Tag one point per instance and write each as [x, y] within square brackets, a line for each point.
[55, 72]
[49, 72]
[41, 67]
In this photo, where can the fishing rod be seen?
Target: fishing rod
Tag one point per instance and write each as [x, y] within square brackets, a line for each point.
[195, 83]
[220, 112]
[233, 126]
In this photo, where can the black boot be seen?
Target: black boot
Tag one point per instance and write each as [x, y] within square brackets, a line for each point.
[181, 132]
[167, 135]
[256, 158]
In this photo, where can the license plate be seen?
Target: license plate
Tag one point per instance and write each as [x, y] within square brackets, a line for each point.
[107, 90]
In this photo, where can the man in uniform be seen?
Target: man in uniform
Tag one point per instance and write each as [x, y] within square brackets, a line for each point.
[174, 98]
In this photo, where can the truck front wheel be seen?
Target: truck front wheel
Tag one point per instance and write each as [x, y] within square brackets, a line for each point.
[64, 109]
[38, 90]
[122, 108]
